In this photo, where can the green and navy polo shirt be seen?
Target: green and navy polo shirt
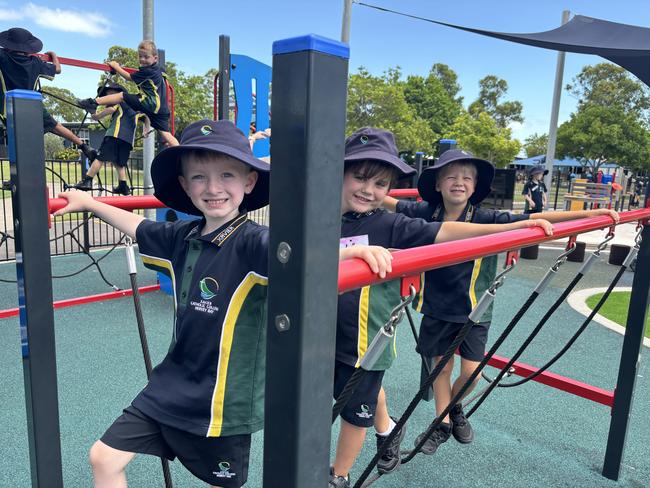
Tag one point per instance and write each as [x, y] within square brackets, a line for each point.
[450, 293]
[362, 312]
[122, 124]
[21, 71]
[152, 87]
[211, 382]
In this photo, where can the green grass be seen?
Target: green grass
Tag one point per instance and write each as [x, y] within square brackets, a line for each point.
[615, 308]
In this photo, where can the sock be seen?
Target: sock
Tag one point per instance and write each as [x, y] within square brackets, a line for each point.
[391, 426]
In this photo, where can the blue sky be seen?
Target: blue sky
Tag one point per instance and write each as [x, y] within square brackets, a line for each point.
[189, 32]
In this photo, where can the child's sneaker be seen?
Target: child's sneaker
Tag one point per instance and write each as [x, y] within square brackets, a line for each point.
[438, 436]
[88, 104]
[86, 184]
[461, 428]
[89, 152]
[391, 458]
[338, 481]
[122, 189]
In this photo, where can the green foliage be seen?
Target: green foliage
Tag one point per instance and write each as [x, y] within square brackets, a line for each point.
[67, 154]
[380, 101]
[609, 85]
[449, 80]
[53, 144]
[60, 110]
[491, 92]
[596, 134]
[536, 144]
[481, 135]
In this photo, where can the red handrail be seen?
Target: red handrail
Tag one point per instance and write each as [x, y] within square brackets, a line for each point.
[355, 273]
[125, 203]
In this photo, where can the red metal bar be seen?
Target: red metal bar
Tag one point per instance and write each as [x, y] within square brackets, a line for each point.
[404, 193]
[584, 390]
[70, 302]
[83, 64]
[354, 273]
[125, 203]
[407, 282]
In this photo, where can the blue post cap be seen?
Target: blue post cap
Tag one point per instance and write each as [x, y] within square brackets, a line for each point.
[30, 94]
[447, 141]
[312, 42]
[419, 152]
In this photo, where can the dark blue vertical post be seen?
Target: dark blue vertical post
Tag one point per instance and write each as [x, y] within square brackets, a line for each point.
[630, 357]
[223, 101]
[33, 271]
[308, 123]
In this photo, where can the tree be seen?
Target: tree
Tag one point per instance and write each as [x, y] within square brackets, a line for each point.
[449, 80]
[58, 107]
[536, 144]
[492, 89]
[432, 101]
[53, 144]
[607, 85]
[482, 136]
[597, 134]
[379, 101]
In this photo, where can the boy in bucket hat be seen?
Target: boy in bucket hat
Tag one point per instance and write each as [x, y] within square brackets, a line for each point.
[372, 166]
[205, 398]
[451, 191]
[19, 69]
[535, 190]
[118, 141]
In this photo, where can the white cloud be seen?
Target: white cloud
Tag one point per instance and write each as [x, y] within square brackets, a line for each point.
[91, 24]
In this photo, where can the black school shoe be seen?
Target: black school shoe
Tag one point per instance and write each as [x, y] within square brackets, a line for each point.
[461, 428]
[86, 184]
[122, 189]
[88, 104]
[338, 481]
[391, 458]
[439, 436]
[89, 152]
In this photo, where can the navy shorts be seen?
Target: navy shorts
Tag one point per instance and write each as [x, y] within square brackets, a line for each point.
[115, 151]
[159, 121]
[360, 409]
[49, 123]
[437, 335]
[220, 461]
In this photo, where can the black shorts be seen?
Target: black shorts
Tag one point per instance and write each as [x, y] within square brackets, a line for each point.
[437, 335]
[360, 409]
[49, 123]
[159, 121]
[220, 461]
[114, 150]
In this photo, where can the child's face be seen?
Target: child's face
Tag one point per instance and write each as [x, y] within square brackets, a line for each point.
[145, 58]
[362, 193]
[216, 184]
[456, 183]
[538, 176]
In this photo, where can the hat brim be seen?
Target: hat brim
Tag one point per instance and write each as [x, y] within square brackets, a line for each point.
[545, 171]
[32, 46]
[168, 189]
[485, 174]
[103, 89]
[394, 161]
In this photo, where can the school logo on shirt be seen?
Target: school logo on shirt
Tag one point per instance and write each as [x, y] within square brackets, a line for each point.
[209, 288]
[365, 412]
[224, 471]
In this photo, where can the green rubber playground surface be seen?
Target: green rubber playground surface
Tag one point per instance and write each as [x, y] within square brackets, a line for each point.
[530, 436]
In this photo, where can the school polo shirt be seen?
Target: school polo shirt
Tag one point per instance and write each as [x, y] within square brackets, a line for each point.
[211, 382]
[21, 72]
[450, 293]
[536, 189]
[153, 91]
[122, 125]
[361, 313]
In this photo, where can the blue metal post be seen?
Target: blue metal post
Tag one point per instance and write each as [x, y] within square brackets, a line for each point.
[309, 94]
[34, 279]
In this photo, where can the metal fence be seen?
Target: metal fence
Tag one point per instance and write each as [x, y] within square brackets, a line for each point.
[77, 232]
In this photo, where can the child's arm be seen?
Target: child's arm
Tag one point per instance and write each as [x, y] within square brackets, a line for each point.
[104, 113]
[378, 258]
[544, 198]
[390, 203]
[79, 201]
[54, 59]
[576, 214]
[119, 70]
[451, 231]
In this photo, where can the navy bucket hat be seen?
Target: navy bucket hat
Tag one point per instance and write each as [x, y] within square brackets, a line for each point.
[535, 170]
[221, 137]
[373, 144]
[101, 91]
[484, 169]
[18, 39]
